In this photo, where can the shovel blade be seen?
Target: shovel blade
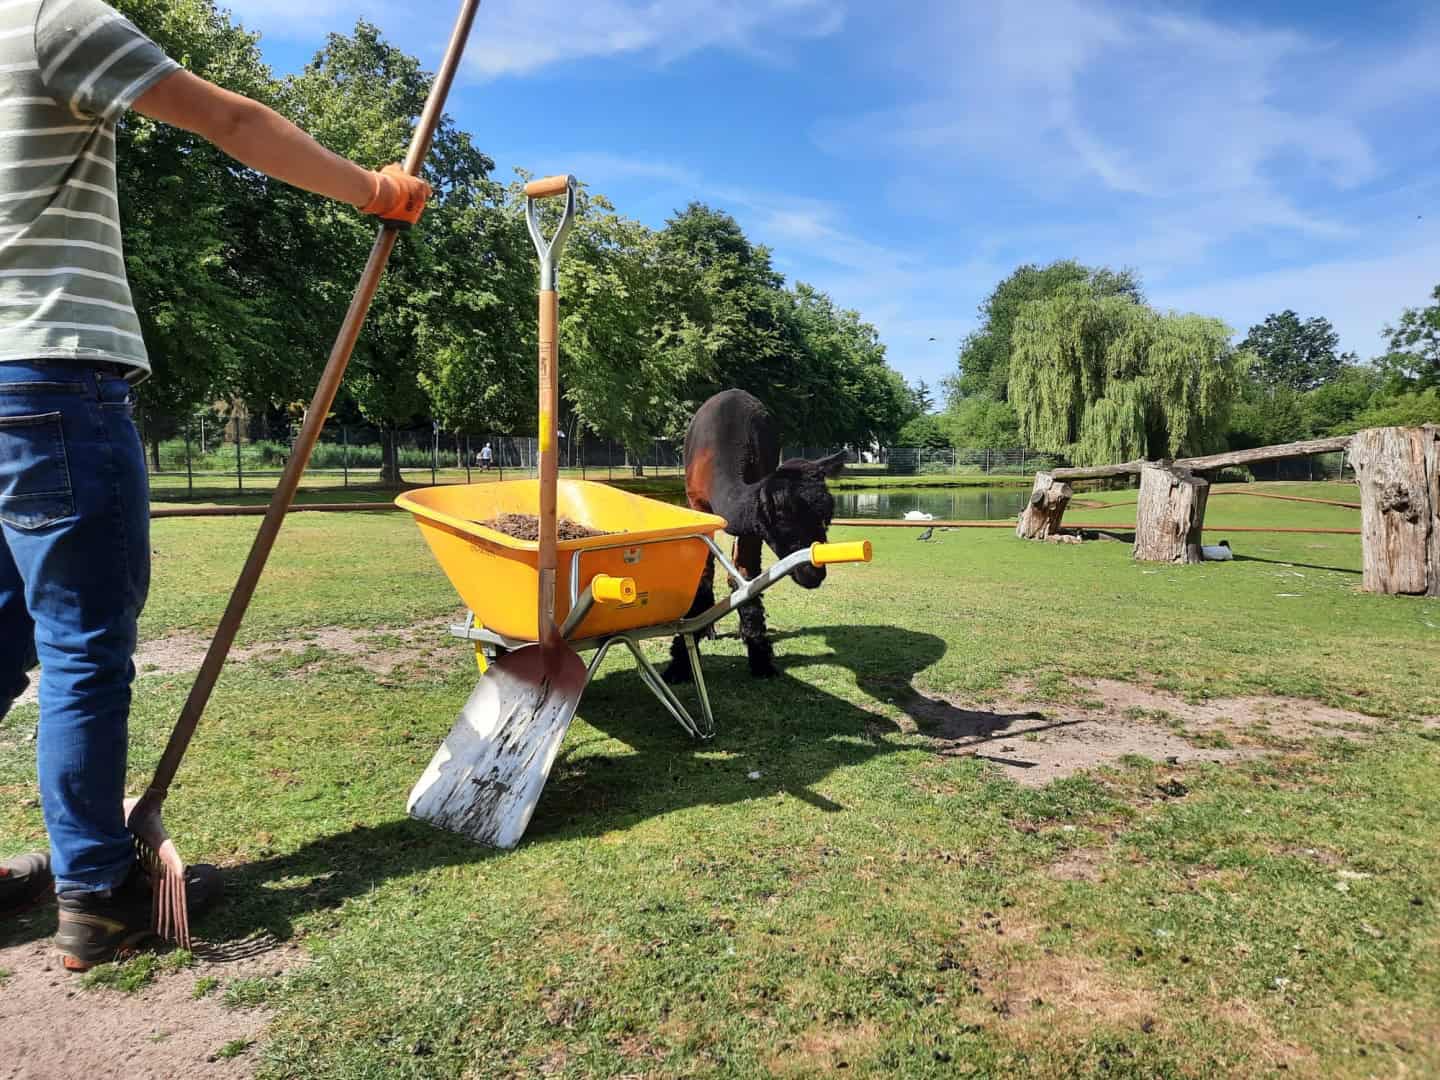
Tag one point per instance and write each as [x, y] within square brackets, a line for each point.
[486, 778]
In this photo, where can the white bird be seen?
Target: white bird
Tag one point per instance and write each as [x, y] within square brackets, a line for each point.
[919, 515]
[1218, 553]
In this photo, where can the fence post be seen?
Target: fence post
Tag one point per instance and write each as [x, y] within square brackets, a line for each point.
[189, 469]
[434, 451]
[467, 459]
[345, 452]
[610, 458]
[239, 463]
[500, 458]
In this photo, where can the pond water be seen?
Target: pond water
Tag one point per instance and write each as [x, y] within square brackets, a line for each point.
[949, 504]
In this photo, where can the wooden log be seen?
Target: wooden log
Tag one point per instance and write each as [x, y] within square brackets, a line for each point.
[1399, 474]
[1211, 462]
[1305, 448]
[1170, 516]
[1040, 520]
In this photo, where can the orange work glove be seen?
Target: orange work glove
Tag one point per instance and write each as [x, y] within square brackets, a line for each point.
[399, 198]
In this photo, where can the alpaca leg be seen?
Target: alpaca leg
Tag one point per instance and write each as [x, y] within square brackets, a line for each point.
[753, 631]
[679, 670]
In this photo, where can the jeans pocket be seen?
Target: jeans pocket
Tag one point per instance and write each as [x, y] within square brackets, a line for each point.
[35, 489]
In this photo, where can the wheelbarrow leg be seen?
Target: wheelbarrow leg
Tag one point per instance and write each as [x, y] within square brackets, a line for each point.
[667, 697]
[693, 648]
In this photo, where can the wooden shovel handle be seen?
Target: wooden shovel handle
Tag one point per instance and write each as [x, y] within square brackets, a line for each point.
[547, 187]
[329, 386]
[549, 633]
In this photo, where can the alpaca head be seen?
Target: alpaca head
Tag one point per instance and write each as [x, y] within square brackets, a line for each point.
[796, 509]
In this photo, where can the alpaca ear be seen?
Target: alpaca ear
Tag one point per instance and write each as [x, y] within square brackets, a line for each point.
[831, 466]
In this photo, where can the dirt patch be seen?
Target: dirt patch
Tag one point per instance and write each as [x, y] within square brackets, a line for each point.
[1082, 864]
[378, 651]
[527, 527]
[1115, 720]
[826, 1050]
[52, 1027]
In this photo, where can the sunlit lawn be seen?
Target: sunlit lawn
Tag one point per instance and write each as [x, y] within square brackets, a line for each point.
[865, 905]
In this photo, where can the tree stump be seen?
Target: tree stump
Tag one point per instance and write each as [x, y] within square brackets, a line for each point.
[1170, 515]
[1399, 474]
[1041, 518]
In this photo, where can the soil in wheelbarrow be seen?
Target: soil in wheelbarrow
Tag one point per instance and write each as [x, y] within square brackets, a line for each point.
[527, 527]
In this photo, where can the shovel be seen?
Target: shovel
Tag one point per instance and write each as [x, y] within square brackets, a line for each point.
[486, 778]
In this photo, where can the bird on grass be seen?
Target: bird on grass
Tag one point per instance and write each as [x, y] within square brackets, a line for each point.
[928, 534]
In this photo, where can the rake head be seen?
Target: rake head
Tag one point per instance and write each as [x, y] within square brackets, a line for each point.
[160, 859]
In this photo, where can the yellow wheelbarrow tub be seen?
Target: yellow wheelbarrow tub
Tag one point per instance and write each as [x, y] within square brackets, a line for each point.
[497, 576]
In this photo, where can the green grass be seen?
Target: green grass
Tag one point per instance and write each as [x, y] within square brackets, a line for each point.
[865, 902]
[136, 973]
[204, 987]
[234, 1049]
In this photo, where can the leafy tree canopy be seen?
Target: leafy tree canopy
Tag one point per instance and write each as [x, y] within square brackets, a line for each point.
[1104, 378]
[1294, 353]
[984, 367]
[1414, 357]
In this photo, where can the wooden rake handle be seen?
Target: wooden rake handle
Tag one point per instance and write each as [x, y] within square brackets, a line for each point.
[320, 405]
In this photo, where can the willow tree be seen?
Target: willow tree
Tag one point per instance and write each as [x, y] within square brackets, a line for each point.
[1106, 379]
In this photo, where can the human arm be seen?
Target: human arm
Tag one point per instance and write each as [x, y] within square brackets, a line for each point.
[257, 136]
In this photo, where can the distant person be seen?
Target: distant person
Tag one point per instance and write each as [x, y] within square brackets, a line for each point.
[74, 505]
[487, 458]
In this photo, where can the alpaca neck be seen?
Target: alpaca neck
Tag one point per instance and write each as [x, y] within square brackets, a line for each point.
[739, 504]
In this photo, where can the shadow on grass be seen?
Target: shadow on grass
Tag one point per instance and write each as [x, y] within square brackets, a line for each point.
[1299, 565]
[788, 730]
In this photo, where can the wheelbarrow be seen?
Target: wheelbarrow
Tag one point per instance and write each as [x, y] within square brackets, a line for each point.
[633, 584]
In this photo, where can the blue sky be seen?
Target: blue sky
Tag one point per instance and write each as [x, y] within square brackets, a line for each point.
[1244, 158]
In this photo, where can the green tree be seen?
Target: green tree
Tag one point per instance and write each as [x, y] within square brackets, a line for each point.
[360, 96]
[743, 331]
[1268, 416]
[627, 359]
[1409, 408]
[1105, 378]
[984, 366]
[854, 396]
[1300, 355]
[820, 370]
[981, 423]
[924, 399]
[205, 238]
[926, 431]
[1333, 407]
[1414, 356]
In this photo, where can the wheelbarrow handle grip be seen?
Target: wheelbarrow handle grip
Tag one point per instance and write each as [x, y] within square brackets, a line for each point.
[613, 590]
[548, 187]
[852, 552]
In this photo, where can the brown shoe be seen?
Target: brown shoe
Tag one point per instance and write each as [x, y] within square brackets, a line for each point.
[96, 928]
[25, 882]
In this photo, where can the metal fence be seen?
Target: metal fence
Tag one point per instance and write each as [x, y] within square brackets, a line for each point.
[206, 460]
[209, 462]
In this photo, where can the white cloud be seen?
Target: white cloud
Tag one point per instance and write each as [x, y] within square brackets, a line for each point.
[1360, 296]
[1078, 104]
[519, 37]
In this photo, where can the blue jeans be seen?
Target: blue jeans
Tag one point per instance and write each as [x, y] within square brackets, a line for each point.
[74, 572]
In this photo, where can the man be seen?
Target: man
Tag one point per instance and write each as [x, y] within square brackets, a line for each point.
[75, 557]
[487, 456]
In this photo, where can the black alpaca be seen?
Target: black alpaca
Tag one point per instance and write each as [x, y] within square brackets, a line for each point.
[733, 469]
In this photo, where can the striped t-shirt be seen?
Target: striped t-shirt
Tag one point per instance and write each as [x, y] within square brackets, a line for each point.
[69, 69]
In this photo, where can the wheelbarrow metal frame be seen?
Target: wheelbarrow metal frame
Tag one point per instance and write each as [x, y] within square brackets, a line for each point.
[688, 629]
